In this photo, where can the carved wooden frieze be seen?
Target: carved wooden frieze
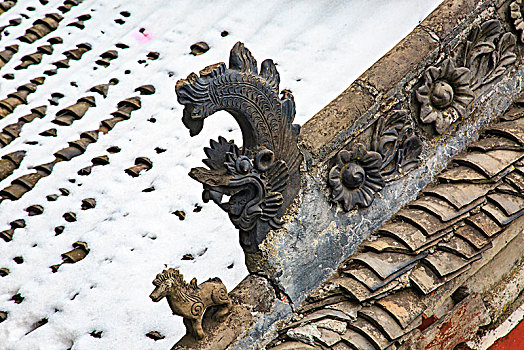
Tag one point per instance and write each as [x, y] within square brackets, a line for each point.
[261, 178]
[359, 173]
[447, 90]
[191, 300]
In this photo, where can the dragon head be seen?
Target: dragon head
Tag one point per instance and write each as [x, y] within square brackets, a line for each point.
[244, 184]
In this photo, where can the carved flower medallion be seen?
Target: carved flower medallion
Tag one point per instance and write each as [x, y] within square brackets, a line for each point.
[356, 177]
[444, 95]
[516, 12]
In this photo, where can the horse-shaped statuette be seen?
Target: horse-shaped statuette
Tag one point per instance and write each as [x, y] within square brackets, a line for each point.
[191, 300]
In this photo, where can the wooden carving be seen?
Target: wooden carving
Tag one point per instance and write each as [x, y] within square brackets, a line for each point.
[261, 178]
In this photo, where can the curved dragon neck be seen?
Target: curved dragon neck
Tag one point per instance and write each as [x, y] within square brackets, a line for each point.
[251, 97]
[256, 108]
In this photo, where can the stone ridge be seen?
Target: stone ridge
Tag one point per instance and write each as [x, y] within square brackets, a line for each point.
[395, 281]
[398, 278]
[346, 115]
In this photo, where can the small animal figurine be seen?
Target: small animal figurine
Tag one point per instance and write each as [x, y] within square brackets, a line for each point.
[191, 300]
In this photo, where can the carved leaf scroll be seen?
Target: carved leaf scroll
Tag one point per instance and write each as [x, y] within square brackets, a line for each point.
[487, 52]
[505, 55]
[516, 13]
[395, 140]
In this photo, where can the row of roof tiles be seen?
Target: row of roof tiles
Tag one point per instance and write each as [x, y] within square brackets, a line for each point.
[379, 294]
[25, 183]
[63, 118]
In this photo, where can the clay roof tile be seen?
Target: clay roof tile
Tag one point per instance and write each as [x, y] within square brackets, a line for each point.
[403, 306]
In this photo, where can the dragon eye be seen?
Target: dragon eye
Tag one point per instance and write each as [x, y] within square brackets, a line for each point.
[264, 160]
[243, 165]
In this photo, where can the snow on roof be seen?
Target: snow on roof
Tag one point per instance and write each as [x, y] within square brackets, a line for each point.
[140, 223]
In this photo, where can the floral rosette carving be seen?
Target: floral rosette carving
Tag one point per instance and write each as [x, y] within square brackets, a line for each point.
[516, 12]
[356, 177]
[444, 95]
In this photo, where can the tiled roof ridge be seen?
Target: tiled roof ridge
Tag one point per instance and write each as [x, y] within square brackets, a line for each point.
[391, 284]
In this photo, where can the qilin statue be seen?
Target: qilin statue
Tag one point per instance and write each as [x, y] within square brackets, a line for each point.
[191, 300]
[261, 178]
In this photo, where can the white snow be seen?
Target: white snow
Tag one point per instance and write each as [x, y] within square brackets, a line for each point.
[320, 48]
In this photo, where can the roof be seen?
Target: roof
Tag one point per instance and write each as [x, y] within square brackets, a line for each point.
[95, 196]
[399, 273]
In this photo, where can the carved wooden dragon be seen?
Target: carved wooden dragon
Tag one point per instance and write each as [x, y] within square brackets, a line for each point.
[261, 178]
